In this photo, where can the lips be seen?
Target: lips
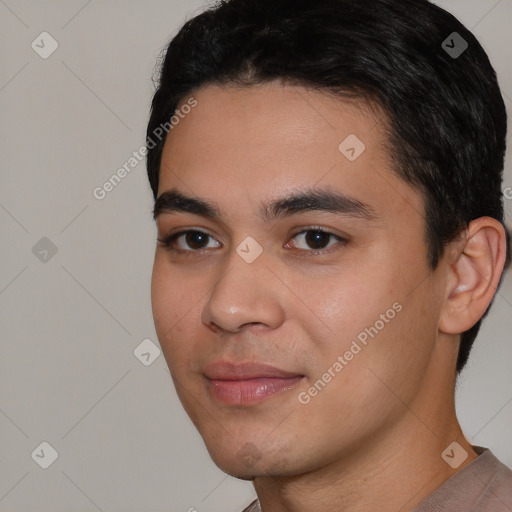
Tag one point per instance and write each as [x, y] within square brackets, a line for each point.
[225, 370]
[247, 383]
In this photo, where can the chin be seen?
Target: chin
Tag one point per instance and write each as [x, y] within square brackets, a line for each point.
[248, 464]
[240, 475]
[233, 466]
[242, 472]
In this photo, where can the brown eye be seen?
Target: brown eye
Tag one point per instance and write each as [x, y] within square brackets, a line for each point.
[196, 239]
[189, 241]
[316, 240]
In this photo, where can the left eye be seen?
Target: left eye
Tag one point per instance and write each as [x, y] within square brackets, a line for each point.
[316, 239]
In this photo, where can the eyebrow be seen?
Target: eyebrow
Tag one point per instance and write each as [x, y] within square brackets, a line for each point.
[305, 200]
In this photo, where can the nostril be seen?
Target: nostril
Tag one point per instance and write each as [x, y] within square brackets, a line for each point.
[215, 328]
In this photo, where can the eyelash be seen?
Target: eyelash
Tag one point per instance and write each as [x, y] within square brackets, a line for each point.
[167, 241]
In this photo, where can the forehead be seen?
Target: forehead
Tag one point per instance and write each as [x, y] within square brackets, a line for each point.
[267, 140]
[274, 115]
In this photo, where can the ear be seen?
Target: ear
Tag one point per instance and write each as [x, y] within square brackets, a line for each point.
[475, 269]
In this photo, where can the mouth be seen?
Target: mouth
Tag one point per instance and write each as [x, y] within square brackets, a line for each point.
[247, 383]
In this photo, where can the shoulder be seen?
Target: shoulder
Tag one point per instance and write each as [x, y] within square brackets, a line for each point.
[484, 485]
[253, 507]
[495, 481]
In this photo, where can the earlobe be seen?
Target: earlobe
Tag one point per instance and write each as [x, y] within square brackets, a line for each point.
[474, 275]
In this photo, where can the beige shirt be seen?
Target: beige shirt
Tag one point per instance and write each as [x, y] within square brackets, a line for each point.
[484, 485]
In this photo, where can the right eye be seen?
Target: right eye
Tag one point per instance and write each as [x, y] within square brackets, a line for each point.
[189, 241]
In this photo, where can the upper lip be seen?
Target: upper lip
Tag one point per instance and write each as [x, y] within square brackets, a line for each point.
[227, 370]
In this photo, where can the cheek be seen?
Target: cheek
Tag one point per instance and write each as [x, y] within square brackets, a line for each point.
[163, 300]
[172, 295]
[339, 305]
[364, 392]
[176, 306]
[394, 358]
[371, 320]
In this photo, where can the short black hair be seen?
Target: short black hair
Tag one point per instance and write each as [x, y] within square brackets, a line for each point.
[446, 114]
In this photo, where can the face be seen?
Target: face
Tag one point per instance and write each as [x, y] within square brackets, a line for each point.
[293, 301]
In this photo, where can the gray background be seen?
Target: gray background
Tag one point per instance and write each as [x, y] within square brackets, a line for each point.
[70, 324]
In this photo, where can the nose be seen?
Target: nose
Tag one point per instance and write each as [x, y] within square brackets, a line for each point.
[246, 294]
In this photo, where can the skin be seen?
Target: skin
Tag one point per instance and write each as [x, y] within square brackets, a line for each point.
[373, 437]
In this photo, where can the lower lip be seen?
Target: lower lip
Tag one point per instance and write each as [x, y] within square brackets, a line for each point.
[252, 391]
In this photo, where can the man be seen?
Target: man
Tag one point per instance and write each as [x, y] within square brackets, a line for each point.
[331, 234]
